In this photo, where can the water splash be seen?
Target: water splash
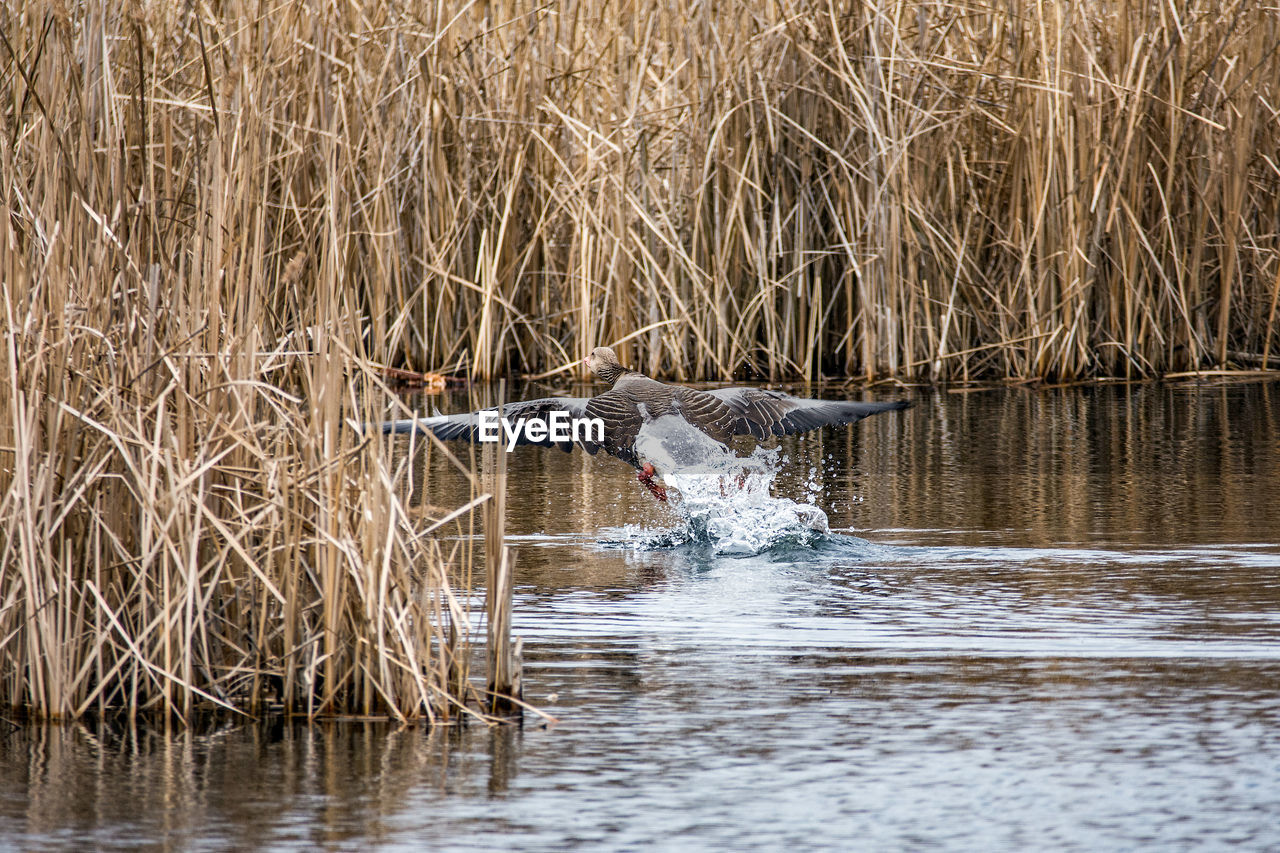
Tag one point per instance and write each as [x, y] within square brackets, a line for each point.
[723, 500]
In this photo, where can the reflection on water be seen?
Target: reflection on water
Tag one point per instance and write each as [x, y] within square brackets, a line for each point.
[1040, 619]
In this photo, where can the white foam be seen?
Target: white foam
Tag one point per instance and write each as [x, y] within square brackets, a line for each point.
[724, 499]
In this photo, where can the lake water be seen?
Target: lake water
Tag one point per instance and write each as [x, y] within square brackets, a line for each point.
[1042, 619]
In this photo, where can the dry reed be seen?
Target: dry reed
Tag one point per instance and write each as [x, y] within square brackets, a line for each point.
[923, 189]
[217, 213]
[186, 521]
[926, 189]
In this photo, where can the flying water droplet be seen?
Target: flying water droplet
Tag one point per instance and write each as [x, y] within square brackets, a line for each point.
[722, 499]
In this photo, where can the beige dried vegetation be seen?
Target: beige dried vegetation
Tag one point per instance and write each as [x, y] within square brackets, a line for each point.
[219, 215]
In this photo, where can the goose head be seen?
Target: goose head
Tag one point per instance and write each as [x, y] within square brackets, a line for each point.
[603, 362]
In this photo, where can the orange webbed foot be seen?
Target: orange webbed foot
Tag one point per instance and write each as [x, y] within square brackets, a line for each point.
[645, 475]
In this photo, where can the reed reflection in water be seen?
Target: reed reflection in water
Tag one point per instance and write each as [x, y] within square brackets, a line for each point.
[1043, 619]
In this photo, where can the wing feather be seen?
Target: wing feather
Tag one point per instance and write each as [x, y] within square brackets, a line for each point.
[622, 421]
[721, 413]
[760, 412]
[706, 412]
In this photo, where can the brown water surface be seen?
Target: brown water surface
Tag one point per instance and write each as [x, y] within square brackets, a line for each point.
[1042, 619]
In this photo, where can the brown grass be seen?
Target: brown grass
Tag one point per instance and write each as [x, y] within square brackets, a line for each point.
[218, 215]
[186, 521]
[932, 190]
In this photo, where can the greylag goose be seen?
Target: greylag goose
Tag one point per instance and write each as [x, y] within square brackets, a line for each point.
[634, 400]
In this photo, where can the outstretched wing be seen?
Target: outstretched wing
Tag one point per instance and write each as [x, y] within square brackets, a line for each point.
[761, 413]
[624, 410]
[707, 412]
[466, 427]
[622, 421]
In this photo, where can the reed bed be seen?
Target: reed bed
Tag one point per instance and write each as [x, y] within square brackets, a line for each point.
[187, 521]
[926, 189]
[220, 217]
[191, 527]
